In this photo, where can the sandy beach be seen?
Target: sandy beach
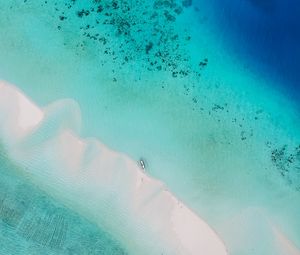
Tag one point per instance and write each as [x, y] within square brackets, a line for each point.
[204, 92]
[74, 169]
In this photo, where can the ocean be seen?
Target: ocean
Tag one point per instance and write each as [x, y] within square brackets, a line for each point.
[265, 35]
[206, 92]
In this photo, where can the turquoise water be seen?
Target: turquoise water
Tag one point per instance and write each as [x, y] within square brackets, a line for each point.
[32, 222]
[159, 83]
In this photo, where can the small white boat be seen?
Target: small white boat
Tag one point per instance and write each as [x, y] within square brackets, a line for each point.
[142, 163]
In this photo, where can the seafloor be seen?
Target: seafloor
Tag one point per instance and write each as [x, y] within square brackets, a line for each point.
[157, 80]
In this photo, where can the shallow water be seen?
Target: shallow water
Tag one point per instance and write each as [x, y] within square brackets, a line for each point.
[32, 222]
[165, 85]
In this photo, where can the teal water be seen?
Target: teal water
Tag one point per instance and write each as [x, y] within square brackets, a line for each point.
[32, 222]
[153, 84]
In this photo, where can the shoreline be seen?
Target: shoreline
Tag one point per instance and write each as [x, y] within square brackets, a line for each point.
[174, 226]
[214, 142]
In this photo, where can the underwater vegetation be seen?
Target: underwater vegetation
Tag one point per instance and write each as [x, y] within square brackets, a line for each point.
[287, 162]
[129, 32]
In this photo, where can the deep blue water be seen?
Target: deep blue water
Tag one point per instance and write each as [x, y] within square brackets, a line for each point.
[266, 35]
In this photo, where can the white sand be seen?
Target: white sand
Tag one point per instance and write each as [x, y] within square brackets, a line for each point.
[254, 225]
[106, 186]
[285, 246]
